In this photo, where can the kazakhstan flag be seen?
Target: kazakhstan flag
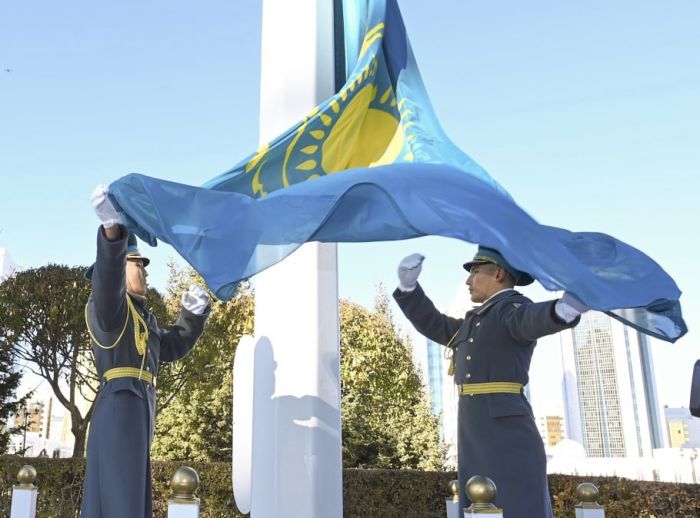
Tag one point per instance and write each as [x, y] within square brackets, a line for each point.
[400, 177]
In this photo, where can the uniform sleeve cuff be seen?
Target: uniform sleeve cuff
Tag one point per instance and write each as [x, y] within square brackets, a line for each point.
[565, 315]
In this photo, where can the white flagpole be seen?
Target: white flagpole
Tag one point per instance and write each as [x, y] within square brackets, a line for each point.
[296, 460]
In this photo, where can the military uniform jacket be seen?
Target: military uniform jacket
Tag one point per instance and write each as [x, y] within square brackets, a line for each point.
[118, 472]
[497, 435]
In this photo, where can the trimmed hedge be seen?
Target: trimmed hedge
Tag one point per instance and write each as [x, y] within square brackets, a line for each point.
[59, 481]
[366, 492]
[624, 498]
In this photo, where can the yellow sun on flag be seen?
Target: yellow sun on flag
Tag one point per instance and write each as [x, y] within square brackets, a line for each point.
[361, 126]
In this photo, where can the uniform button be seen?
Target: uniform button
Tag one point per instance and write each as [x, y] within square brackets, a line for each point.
[468, 375]
[148, 368]
[478, 324]
[469, 357]
[470, 340]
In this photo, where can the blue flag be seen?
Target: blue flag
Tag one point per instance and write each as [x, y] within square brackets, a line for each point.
[373, 164]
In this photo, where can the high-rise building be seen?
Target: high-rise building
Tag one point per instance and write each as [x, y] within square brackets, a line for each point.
[440, 389]
[683, 428]
[56, 418]
[552, 429]
[434, 380]
[32, 417]
[611, 403]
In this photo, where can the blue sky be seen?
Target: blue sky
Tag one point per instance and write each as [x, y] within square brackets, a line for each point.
[588, 113]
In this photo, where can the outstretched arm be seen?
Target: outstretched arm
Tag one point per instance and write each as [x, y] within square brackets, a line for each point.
[107, 303]
[425, 317]
[178, 340]
[108, 297]
[417, 307]
[528, 322]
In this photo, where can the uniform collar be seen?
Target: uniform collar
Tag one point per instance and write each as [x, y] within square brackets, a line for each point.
[496, 295]
[491, 301]
[138, 299]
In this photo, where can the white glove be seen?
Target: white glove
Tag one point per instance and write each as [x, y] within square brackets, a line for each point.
[195, 300]
[569, 307]
[103, 207]
[409, 270]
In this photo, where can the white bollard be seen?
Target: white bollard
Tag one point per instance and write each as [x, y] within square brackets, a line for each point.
[24, 494]
[481, 492]
[183, 503]
[588, 506]
[452, 503]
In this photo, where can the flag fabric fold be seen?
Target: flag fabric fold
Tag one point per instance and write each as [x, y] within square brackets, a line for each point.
[373, 164]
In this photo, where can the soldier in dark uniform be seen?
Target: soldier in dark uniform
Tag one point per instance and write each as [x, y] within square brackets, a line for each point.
[492, 347]
[128, 346]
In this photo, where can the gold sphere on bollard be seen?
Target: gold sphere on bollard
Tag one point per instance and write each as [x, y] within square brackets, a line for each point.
[454, 489]
[184, 483]
[26, 477]
[481, 491]
[587, 495]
